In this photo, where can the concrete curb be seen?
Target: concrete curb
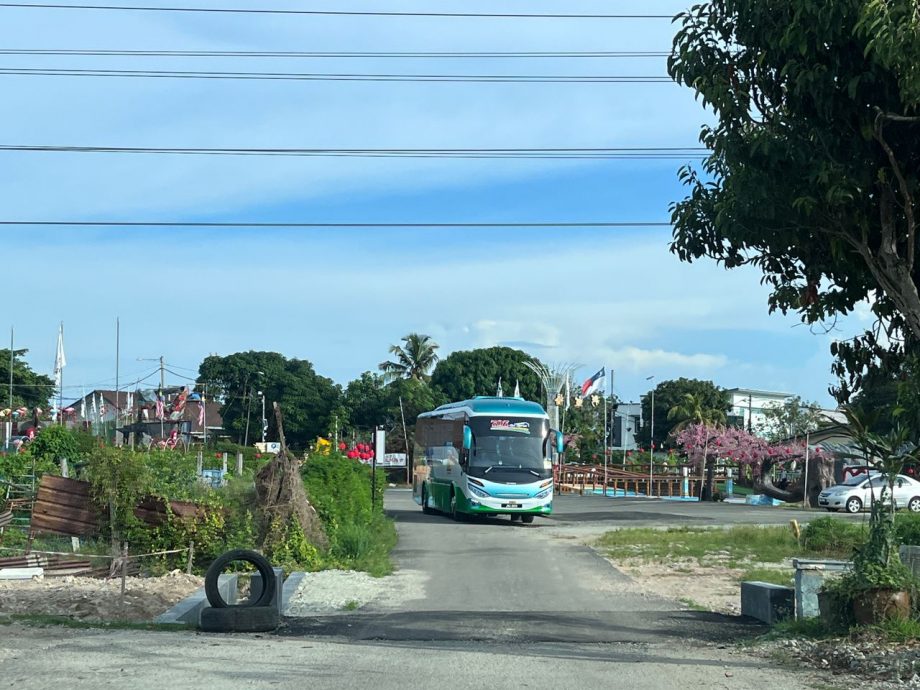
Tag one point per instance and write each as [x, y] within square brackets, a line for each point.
[189, 609]
[290, 586]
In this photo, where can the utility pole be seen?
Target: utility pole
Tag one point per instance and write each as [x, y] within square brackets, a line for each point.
[9, 424]
[651, 456]
[264, 421]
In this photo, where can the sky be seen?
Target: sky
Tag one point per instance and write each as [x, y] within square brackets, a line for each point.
[593, 297]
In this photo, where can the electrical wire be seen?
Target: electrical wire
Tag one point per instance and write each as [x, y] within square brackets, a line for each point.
[245, 224]
[305, 76]
[629, 153]
[336, 55]
[340, 13]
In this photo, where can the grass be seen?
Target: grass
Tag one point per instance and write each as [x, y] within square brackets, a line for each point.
[739, 544]
[775, 576]
[693, 605]
[351, 605]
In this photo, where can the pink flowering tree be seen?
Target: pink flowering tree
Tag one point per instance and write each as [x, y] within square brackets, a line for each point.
[703, 444]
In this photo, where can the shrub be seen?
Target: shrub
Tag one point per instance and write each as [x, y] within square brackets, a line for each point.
[907, 528]
[832, 536]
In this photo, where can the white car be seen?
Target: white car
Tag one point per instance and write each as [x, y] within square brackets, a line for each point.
[857, 493]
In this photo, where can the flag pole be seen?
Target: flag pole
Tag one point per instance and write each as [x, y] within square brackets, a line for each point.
[9, 425]
[605, 433]
[61, 383]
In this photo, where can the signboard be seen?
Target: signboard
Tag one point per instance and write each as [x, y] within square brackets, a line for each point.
[390, 460]
[269, 447]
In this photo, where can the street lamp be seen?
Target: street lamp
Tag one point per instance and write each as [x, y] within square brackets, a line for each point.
[651, 457]
[264, 421]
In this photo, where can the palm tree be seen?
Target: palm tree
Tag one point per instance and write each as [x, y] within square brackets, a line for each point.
[693, 410]
[414, 359]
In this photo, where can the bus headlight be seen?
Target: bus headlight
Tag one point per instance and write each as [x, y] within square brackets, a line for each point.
[477, 492]
[545, 493]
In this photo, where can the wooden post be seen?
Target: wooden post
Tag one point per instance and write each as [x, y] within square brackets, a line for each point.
[124, 568]
[200, 465]
[239, 464]
[191, 557]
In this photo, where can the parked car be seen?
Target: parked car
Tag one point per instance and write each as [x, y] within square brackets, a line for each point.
[857, 493]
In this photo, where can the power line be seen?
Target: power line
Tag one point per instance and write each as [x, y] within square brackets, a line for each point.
[340, 13]
[305, 76]
[336, 55]
[248, 224]
[627, 153]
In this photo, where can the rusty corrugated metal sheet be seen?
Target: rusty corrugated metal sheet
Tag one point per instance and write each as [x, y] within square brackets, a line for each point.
[64, 506]
[152, 510]
[54, 566]
[6, 517]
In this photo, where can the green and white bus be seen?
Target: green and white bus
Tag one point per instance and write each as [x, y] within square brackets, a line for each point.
[485, 456]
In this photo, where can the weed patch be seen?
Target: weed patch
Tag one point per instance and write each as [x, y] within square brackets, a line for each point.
[773, 576]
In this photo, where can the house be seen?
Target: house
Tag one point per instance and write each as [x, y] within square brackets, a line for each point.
[104, 412]
[625, 425]
[748, 406]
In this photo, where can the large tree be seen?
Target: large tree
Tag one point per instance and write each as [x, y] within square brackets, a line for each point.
[468, 373]
[306, 398]
[29, 389]
[709, 401]
[792, 419]
[414, 358]
[815, 159]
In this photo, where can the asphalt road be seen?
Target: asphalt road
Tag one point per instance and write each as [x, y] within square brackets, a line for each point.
[501, 604]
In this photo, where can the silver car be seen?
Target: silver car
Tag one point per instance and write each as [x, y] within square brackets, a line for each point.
[857, 493]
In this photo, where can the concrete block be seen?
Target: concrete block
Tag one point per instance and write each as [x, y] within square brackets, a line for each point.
[767, 602]
[255, 589]
[290, 586]
[189, 609]
[21, 573]
[810, 576]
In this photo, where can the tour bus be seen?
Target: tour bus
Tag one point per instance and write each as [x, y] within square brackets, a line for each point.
[485, 456]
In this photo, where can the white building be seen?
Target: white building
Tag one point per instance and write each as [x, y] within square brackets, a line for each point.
[748, 407]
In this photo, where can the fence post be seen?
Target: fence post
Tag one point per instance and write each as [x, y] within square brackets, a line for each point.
[191, 557]
[200, 466]
[239, 464]
[124, 568]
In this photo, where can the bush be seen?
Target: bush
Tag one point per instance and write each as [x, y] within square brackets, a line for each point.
[827, 535]
[907, 528]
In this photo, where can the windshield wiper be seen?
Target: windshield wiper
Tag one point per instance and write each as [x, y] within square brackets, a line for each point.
[512, 469]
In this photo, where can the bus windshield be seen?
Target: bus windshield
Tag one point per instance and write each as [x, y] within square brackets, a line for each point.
[509, 449]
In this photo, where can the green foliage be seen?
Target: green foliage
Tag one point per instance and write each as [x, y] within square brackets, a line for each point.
[705, 399]
[813, 172]
[16, 466]
[307, 399]
[828, 535]
[119, 478]
[793, 419]
[414, 359]
[359, 534]
[468, 373]
[57, 442]
[907, 529]
[30, 390]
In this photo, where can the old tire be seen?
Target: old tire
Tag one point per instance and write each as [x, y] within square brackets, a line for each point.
[527, 519]
[239, 619]
[211, 578]
[913, 505]
[853, 505]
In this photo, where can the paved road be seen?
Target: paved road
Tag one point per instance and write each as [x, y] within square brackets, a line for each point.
[500, 604]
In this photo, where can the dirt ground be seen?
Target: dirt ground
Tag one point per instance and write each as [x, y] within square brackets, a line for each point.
[92, 599]
[714, 588]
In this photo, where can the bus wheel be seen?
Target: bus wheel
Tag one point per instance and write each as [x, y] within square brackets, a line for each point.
[425, 507]
[526, 519]
[456, 516]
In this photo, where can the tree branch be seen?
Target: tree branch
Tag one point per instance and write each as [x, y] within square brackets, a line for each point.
[902, 184]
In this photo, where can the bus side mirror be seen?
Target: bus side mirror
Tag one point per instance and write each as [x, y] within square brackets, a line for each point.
[467, 437]
[560, 442]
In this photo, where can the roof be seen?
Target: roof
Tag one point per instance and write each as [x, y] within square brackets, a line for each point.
[483, 405]
[213, 418]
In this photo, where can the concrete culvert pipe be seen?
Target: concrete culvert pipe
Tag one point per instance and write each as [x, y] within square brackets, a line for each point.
[217, 567]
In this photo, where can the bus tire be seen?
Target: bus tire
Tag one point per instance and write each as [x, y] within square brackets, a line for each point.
[455, 514]
[426, 509]
[527, 519]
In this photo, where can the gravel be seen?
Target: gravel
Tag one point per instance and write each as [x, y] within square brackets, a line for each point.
[330, 591]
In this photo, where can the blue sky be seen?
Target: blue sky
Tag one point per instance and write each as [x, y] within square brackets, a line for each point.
[339, 298]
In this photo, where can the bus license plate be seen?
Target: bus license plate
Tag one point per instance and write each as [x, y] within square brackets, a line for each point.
[512, 505]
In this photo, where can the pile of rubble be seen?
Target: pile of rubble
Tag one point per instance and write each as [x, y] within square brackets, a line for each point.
[95, 599]
[889, 665]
